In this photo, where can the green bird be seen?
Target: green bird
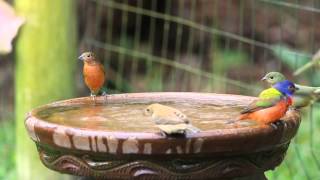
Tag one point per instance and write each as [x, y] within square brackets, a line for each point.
[304, 96]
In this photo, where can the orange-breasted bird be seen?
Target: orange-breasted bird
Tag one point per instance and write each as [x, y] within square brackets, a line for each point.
[272, 104]
[93, 72]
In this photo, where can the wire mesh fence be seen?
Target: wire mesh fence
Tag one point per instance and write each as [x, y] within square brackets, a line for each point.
[210, 46]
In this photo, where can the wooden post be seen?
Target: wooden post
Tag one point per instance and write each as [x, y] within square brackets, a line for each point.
[45, 65]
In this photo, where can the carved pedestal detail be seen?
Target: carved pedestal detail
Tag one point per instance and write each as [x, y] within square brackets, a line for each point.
[160, 167]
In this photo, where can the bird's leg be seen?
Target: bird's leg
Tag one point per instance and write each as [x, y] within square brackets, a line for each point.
[93, 96]
[105, 95]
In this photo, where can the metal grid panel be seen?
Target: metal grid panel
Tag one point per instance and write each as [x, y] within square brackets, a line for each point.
[210, 46]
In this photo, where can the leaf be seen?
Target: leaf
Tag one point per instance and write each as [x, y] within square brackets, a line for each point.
[295, 59]
[315, 61]
[291, 58]
[9, 26]
[226, 59]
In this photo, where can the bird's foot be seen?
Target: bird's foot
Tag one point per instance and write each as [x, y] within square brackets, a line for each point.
[281, 123]
[104, 93]
[278, 123]
[274, 126]
[163, 134]
[105, 96]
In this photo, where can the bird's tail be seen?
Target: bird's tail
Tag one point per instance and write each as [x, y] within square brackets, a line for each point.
[192, 128]
[317, 92]
[244, 116]
[240, 117]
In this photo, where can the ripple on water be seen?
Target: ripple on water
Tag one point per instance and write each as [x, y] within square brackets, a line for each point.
[130, 117]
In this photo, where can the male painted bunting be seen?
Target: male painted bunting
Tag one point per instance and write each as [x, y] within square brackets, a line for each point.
[304, 96]
[93, 72]
[272, 104]
[169, 120]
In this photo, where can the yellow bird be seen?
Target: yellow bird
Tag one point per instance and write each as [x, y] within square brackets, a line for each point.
[169, 120]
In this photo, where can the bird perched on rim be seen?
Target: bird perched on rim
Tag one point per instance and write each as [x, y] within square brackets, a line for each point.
[271, 105]
[170, 120]
[93, 72]
[304, 96]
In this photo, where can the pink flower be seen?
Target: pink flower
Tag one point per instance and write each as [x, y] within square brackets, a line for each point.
[9, 26]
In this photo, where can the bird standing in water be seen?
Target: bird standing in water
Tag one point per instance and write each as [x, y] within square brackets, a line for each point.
[93, 72]
[304, 96]
[169, 120]
[272, 104]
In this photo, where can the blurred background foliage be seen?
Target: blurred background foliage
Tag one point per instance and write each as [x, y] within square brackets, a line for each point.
[185, 45]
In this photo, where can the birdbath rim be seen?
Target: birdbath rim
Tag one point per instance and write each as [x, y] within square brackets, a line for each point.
[225, 140]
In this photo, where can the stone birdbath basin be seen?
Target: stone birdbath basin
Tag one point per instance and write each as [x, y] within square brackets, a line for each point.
[113, 139]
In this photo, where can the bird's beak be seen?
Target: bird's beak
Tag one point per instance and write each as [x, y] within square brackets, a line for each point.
[296, 88]
[145, 113]
[264, 78]
[81, 57]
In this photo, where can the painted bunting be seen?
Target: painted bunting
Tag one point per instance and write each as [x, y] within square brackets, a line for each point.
[170, 120]
[93, 72]
[304, 96]
[271, 105]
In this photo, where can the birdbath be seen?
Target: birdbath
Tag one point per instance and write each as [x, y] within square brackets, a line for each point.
[110, 138]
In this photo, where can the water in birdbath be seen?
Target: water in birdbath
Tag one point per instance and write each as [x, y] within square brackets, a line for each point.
[130, 117]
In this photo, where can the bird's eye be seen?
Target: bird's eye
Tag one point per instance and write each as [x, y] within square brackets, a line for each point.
[271, 77]
[148, 110]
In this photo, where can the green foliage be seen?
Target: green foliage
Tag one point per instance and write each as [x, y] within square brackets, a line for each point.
[294, 60]
[45, 63]
[7, 145]
[155, 79]
[289, 57]
[299, 162]
[223, 61]
[227, 59]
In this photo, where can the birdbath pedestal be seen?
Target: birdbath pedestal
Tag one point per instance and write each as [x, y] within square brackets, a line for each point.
[109, 138]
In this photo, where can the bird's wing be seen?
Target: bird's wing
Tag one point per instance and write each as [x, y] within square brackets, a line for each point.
[269, 93]
[267, 98]
[317, 91]
[305, 90]
[173, 129]
[168, 115]
[168, 120]
[261, 104]
[181, 116]
[102, 68]
[178, 129]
